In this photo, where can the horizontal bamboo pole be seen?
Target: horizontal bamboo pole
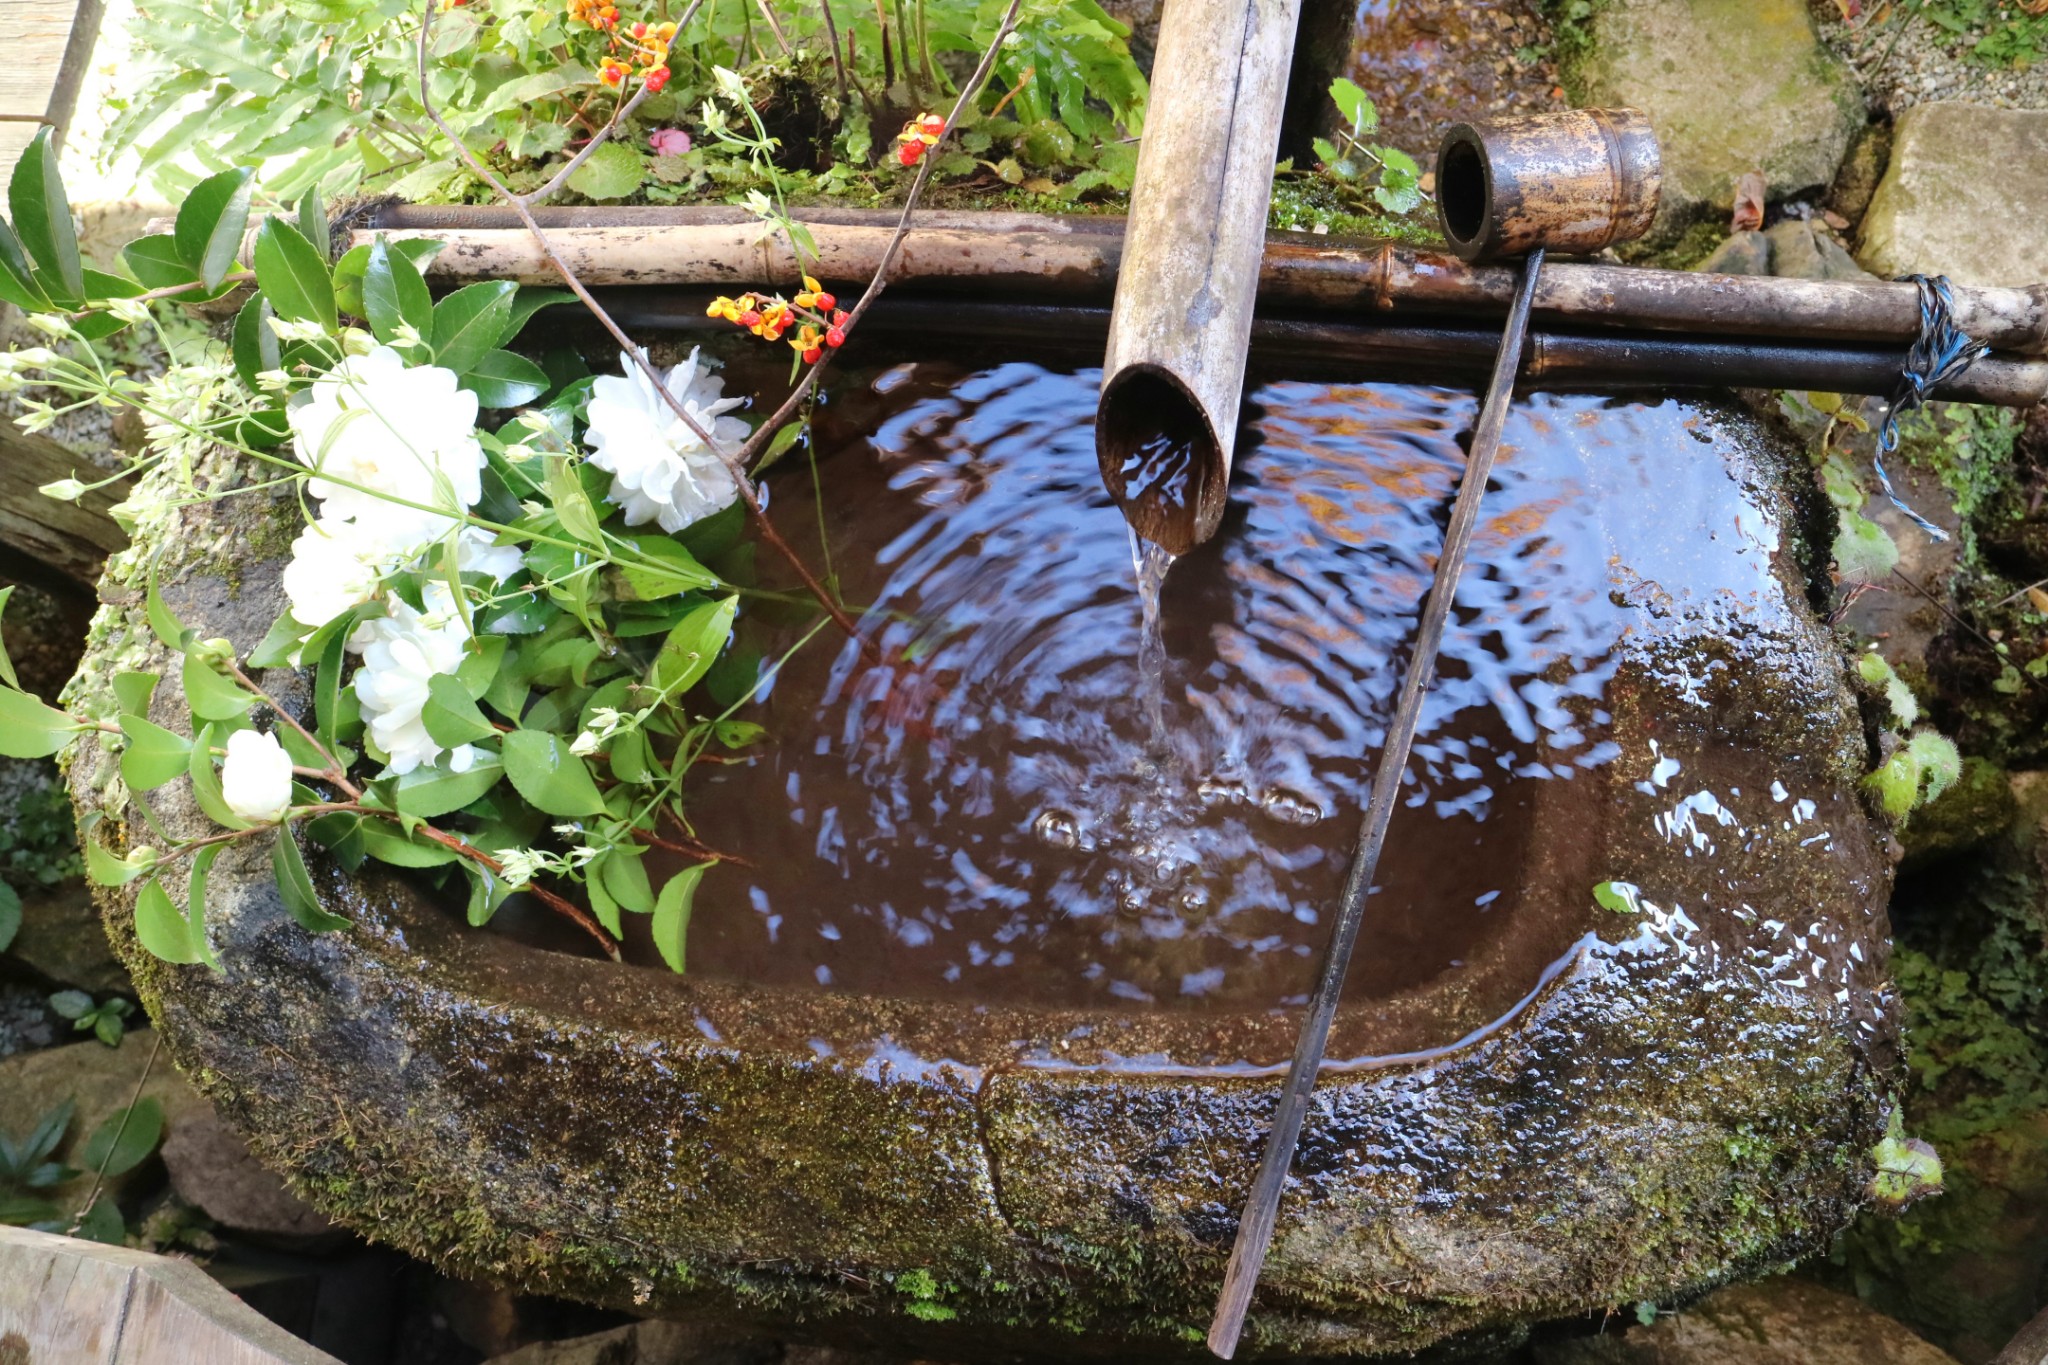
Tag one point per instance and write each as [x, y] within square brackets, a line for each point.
[1377, 349]
[1075, 259]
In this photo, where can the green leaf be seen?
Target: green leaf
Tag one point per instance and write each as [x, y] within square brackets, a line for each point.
[42, 216]
[125, 1138]
[355, 263]
[312, 222]
[692, 647]
[7, 674]
[554, 780]
[602, 906]
[672, 913]
[450, 716]
[1940, 764]
[395, 293]
[253, 344]
[1623, 898]
[132, 688]
[500, 379]
[1863, 552]
[675, 571]
[10, 915]
[433, 793]
[211, 222]
[327, 687]
[296, 886]
[293, 276]
[211, 695]
[195, 902]
[206, 781]
[612, 172]
[468, 323]
[781, 444]
[102, 1222]
[152, 755]
[340, 832]
[1355, 105]
[103, 868]
[29, 729]
[1907, 1169]
[572, 503]
[17, 279]
[279, 644]
[625, 879]
[1325, 150]
[486, 894]
[162, 620]
[1897, 783]
[155, 261]
[165, 932]
[382, 841]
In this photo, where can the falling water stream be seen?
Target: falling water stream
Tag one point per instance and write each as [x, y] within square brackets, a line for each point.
[1151, 563]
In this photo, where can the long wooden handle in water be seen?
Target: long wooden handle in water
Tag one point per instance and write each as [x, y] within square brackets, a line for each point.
[1262, 1205]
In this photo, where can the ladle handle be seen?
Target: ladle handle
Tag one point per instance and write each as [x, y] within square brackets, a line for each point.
[1262, 1205]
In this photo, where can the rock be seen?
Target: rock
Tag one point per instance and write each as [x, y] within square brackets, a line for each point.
[1731, 86]
[658, 1343]
[1801, 251]
[26, 1021]
[211, 1169]
[62, 939]
[1784, 1321]
[1744, 253]
[1962, 196]
[1680, 1096]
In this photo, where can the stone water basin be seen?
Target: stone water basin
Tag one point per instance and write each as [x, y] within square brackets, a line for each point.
[975, 1054]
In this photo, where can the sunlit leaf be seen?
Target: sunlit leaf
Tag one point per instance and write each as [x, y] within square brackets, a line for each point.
[672, 913]
[211, 222]
[543, 771]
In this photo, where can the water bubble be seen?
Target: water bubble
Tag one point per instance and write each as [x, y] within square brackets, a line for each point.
[1290, 808]
[1057, 828]
[1222, 791]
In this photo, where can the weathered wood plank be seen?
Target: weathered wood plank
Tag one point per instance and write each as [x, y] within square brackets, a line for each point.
[70, 1302]
[58, 546]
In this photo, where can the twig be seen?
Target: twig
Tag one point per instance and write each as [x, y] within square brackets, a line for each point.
[832, 41]
[99, 1177]
[774, 27]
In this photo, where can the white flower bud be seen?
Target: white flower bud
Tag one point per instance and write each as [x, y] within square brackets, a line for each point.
[63, 490]
[355, 341]
[405, 334]
[51, 325]
[35, 356]
[584, 745]
[273, 381]
[256, 779]
[131, 311]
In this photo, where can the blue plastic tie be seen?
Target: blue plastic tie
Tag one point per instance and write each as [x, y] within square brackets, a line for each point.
[1942, 352]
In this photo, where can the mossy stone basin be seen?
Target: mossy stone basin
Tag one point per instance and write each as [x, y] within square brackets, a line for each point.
[1674, 1095]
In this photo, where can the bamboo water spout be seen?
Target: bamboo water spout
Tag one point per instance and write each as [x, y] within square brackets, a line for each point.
[1174, 370]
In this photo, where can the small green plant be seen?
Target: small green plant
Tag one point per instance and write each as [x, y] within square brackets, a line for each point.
[1921, 765]
[31, 1177]
[1387, 173]
[1992, 32]
[106, 1021]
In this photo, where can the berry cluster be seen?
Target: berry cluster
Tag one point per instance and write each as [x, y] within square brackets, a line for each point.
[920, 133]
[819, 321]
[642, 45]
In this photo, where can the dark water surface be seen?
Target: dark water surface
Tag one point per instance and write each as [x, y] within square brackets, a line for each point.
[988, 819]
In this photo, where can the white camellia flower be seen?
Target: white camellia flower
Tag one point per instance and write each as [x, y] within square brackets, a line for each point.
[661, 470]
[334, 565]
[475, 553]
[404, 431]
[256, 779]
[401, 654]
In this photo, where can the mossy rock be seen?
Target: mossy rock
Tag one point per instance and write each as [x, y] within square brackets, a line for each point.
[1688, 1095]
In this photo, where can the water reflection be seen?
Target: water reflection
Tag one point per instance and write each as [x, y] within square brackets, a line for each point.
[988, 817]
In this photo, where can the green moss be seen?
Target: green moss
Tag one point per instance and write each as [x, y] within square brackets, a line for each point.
[1693, 246]
[1571, 28]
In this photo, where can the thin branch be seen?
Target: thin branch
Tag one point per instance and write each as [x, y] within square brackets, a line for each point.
[832, 42]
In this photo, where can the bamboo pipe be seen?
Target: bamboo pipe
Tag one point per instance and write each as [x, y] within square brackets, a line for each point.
[1076, 258]
[1370, 348]
[1173, 371]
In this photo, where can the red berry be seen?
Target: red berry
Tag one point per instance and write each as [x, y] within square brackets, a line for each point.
[835, 338]
[750, 319]
[839, 316]
[812, 356]
[639, 30]
[827, 302]
[910, 153]
[657, 78]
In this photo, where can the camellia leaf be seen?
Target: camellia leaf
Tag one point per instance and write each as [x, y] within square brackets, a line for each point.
[486, 894]
[675, 571]
[296, 886]
[692, 647]
[10, 915]
[253, 345]
[672, 913]
[625, 877]
[355, 263]
[17, 279]
[125, 1138]
[450, 716]
[42, 216]
[206, 781]
[162, 620]
[210, 224]
[500, 379]
[528, 301]
[543, 771]
[430, 793]
[195, 902]
[154, 260]
[7, 674]
[468, 323]
[132, 689]
[293, 276]
[161, 929]
[312, 222]
[395, 293]
[29, 729]
[383, 841]
[211, 695]
[102, 868]
[152, 755]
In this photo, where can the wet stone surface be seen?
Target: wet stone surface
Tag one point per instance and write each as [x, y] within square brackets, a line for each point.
[1576, 1107]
